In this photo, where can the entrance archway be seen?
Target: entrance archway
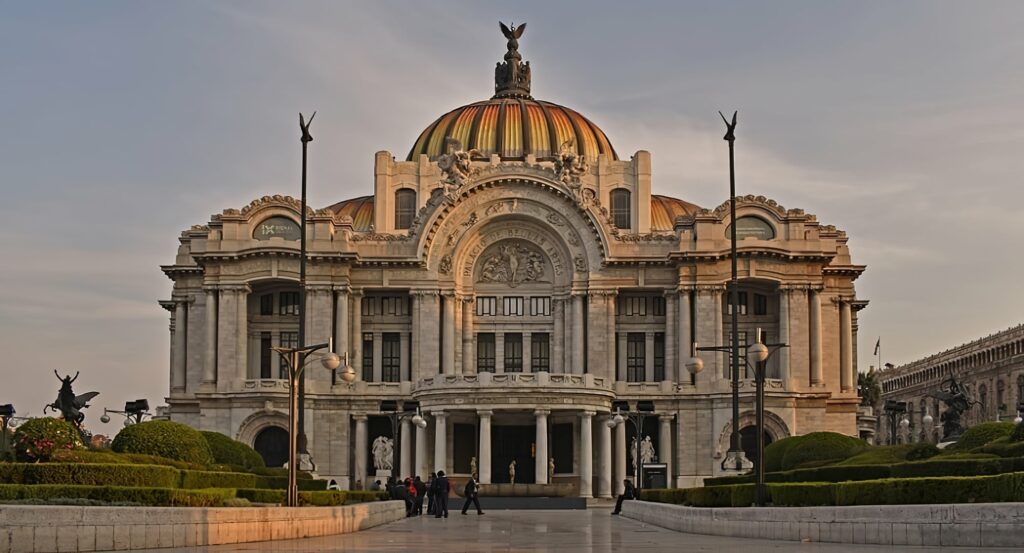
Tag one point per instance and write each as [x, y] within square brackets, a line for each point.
[748, 441]
[272, 444]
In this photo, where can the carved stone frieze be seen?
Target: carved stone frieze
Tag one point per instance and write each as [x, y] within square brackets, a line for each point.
[514, 263]
[445, 266]
[380, 237]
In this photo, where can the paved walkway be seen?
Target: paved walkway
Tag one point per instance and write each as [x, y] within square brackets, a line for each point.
[539, 531]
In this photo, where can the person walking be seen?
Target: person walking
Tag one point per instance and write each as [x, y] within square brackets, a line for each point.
[441, 489]
[421, 490]
[471, 491]
[628, 492]
[401, 493]
[431, 480]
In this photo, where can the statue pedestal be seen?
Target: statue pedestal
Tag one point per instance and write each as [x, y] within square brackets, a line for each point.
[382, 475]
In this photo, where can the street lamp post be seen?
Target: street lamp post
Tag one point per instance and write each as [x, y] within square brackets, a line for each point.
[893, 410]
[295, 361]
[306, 138]
[636, 418]
[396, 414]
[134, 412]
[735, 456]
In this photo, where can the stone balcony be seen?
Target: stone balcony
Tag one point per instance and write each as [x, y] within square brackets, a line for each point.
[515, 391]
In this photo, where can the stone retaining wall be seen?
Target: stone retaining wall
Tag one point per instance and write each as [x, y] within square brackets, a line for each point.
[975, 524]
[47, 529]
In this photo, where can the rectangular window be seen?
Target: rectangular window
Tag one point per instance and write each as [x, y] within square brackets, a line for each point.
[659, 356]
[620, 208]
[267, 304]
[393, 305]
[540, 306]
[760, 304]
[367, 306]
[741, 303]
[658, 306]
[288, 340]
[487, 305]
[367, 361]
[512, 306]
[485, 361]
[743, 353]
[540, 352]
[636, 357]
[513, 353]
[266, 354]
[633, 306]
[391, 358]
[289, 303]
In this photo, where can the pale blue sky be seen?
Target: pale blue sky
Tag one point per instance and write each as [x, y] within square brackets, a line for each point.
[122, 123]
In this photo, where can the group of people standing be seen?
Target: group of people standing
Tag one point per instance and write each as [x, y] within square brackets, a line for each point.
[435, 490]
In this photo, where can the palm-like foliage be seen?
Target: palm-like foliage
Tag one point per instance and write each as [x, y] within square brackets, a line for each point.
[869, 388]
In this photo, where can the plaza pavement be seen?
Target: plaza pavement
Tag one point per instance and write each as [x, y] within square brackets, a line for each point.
[588, 531]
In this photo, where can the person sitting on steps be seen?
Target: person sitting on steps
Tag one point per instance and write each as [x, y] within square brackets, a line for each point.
[627, 493]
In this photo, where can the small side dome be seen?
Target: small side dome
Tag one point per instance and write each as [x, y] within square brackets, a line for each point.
[359, 209]
[665, 210]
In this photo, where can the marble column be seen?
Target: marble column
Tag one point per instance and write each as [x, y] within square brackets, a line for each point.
[649, 357]
[405, 467]
[468, 337]
[484, 460]
[620, 458]
[846, 346]
[180, 339]
[685, 338]
[670, 333]
[359, 472]
[558, 336]
[355, 344]
[604, 463]
[622, 374]
[783, 354]
[430, 318]
[448, 353]
[341, 330]
[527, 352]
[665, 446]
[814, 297]
[227, 337]
[586, 454]
[210, 356]
[440, 441]
[577, 333]
[422, 462]
[242, 345]
[610, 361]
[541, 464]
[417, 335]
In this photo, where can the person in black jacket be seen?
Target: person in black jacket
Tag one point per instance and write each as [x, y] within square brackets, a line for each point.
[421, 490]
[628, 493]
[441, 489]
[471, 491]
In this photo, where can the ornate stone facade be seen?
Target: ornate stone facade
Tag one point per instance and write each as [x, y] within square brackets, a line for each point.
[992, 368]
[515, 291]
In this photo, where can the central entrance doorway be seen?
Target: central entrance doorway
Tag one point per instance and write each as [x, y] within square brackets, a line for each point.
[513, 442]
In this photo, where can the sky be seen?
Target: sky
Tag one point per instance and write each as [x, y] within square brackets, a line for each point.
[124, 123]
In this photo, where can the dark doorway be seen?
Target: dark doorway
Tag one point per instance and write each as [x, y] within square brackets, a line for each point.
[272, 444]
[513, 442]
[748, 441]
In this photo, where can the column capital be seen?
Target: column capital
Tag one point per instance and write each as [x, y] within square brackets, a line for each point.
[361, 417]
[588, 414]
[709, 288]
[424, 293]
[318, 288]
[603, 293]
[237, 288]
[466, 298]
[341, 289]
[356, 292]
[438, 414]
[484, 412]
[666, 417]
[541, 412]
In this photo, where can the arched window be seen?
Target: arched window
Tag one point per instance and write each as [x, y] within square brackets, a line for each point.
[983, 400]
[405, 208]
[1001, 396]
[620, 208]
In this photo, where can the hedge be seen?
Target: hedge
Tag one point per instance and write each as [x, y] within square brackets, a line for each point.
[198, 479]
[820, 447]
[981, 434]
[90, 474]
[169, 439]
[38, 439]
[934, 467]
[889, 491]
[1003, 448]
[281, 482]
[231, 452]
[104, 456]
[775, 451]
[314, 498]
[161, 497]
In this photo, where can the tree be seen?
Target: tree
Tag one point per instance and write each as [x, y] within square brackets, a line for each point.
[869, 388]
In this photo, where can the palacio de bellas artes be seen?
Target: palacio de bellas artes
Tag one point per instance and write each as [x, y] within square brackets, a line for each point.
[513, 279]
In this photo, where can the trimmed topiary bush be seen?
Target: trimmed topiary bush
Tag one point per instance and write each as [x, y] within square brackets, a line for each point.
[163, 497]
[981, 434]
[879, 455]
[89, 474]
[38, 439]
[232, 452]
[1003, 447]
[775, 451]
[810, 494]
[920, 452]
[816, 447]
[199, 479]
[93, 456]
[1018, 433]
[168, 439]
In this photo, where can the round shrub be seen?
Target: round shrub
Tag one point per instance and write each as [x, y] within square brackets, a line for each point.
[775, 451]
[816, 447]
[1018, 433]
[232, 452]
[981, 434]
[922, 451]
[168, 439]
[38, 439]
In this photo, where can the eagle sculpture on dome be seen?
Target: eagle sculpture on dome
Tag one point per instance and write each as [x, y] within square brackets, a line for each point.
[514, 32]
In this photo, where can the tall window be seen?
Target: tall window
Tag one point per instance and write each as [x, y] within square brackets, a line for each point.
[760, 304]
[485, 352]
[288, 340]
[743, 354]
[486, 305]
[1000, 395]
[391, 358]
[512, 305]
[267, 304]
[289, 303]
[405, 208]
[636, 357]
[983, 400]
[659, 356]
[540, 352]
[513, 352]
[741, 303]
[620, 208]
[658, 306]
[540, 305]
[633, 306]
[266, 354]
[367, 360]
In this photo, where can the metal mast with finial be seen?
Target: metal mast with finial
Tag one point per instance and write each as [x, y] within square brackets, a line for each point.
[305, 139]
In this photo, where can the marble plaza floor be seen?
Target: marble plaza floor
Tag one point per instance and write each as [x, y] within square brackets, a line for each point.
[593, 530]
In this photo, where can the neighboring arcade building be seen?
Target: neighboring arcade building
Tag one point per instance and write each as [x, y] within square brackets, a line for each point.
[514, 276]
